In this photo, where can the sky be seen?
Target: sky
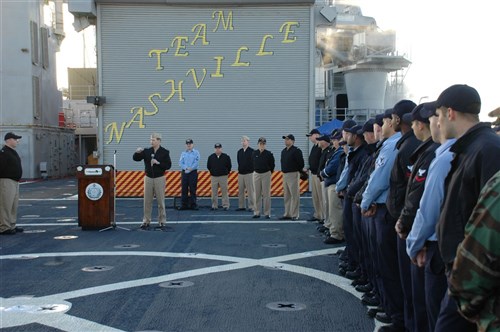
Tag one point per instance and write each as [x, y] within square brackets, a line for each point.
[448, 42]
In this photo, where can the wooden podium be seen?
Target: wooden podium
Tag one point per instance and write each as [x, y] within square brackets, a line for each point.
[96, 203]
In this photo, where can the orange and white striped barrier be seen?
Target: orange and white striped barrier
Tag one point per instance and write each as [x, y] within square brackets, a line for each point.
[131, 184]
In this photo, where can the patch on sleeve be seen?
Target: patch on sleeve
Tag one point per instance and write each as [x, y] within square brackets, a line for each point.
[381, 160]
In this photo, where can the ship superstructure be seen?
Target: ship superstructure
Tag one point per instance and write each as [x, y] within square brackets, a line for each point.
[358, 69]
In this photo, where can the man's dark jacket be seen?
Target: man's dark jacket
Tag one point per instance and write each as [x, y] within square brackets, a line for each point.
[245, 162]
[400, 173]
[314, 157]
[219, 166]
[162, 155]
[355, 160]
[10, 164]
[292, 159]
[421, 160]
[476, 161]
[363, 171]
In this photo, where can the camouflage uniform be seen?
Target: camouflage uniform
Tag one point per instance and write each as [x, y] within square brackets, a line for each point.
[475, 278]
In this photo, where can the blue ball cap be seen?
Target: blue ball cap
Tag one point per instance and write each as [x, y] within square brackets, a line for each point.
[324, 138]
[402, 107]
[379, 119]
[354, 129]
[367, 127]
[348, 124]
[461, 98]
[337, 134]
[388, 113]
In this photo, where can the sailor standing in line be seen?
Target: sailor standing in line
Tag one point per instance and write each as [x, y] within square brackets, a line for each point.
[421, 242]
[420, 161]
[10, 173]
[329, 173]
[263, 165]
[292, 162]
[156, 162]
[245, 175]
[188, 162]
[373, 205]
[400, 175]
[219, 166]
[475, 161]
[316, 190]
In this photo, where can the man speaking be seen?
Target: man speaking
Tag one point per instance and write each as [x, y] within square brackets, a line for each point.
[156, 162]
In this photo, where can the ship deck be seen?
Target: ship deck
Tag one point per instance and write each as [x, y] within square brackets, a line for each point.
[207, 271]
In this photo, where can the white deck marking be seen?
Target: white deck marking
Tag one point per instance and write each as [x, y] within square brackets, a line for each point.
[70, 323]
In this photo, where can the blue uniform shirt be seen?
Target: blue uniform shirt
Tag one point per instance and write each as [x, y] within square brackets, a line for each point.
[378, 184]
[424, 225]
[189, 159]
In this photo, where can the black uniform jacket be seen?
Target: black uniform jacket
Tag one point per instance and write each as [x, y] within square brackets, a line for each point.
[219, 166]
[421, 160]
[363, 171]
[263, 161]
[476, 161]
[292, 159]
[10, 164]
[162, 155]
[244, 159]
[314, 158]
[355, 160]
[400, 173]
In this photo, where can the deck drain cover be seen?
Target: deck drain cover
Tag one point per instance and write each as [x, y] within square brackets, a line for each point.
[286, 306]
[100, 268]
[203, 236]
[31, 216]
[274, 245]
[176, 284]
[35, 231]
[127, 246]
[269, 229]
[66, 237]
[274, 267]
[38, 309]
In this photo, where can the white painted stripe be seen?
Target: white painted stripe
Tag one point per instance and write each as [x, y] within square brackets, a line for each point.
[69, 323]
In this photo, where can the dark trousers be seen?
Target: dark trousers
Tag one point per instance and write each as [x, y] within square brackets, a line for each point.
[369, 249]
[435, 282]
[450, 320]
[388, 265]
[405, 276]
[349, 232]
[189, 183]
[420, 319]
[358, 243]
